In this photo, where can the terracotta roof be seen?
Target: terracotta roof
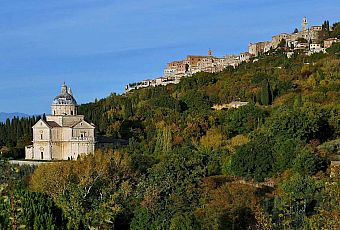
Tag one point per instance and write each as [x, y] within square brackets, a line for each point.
[52, 124]
[331, 39]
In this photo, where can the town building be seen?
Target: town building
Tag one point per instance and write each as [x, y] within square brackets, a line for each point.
[259, 48]
[278, 38]
[316, 48]
[245, 57]
[316, 28]
[232, 105]
[329, 42]
[64, 135]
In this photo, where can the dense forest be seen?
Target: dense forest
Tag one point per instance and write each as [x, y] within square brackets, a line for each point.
[265, 165]
[15, 134]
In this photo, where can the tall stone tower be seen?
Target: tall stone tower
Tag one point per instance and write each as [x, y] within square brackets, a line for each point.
[209, 52]
[304, 24]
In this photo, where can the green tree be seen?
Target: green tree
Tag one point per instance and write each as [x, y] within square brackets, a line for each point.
[285, 151]
[171, 187]
[254, 159]
[306, 163]
[183, 221]
[164, 141]
[302, 40]
[266, 93]
[282, 43]
[128, 112]
[298, 201]
[91, 191]
[334, 49]
[242, 120]
[301, 123]
[298, 101]
[336, 30]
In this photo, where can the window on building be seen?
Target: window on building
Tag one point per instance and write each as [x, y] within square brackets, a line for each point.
[42, 155]
[81, 135]
[41, 136]
[72, 113]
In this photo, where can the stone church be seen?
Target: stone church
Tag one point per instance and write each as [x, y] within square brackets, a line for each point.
[64, 135]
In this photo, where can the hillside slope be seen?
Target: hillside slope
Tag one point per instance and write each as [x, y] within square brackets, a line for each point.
[265, 165]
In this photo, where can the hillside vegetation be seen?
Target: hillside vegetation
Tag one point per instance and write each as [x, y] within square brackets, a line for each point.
[265, 165]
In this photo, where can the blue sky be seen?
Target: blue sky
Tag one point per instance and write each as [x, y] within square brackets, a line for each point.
[98, 46]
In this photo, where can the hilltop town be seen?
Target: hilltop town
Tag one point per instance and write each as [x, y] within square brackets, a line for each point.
[308, 40]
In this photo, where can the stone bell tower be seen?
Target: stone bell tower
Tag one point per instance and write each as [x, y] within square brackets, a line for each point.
[304, 24]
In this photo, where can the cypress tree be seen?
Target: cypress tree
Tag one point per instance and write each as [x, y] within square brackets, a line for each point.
[127, 109]
[298, 101]
[266, 93]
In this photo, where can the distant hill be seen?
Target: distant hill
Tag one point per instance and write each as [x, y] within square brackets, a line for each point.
[4, 116]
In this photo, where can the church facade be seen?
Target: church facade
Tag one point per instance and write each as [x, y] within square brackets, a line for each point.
[64, 135]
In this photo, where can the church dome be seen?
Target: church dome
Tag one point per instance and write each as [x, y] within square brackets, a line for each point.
[65, 97]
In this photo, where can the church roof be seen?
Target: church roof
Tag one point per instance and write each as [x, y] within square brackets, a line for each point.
[48, 124]
[65, 97]
[82, 122]
[52, 124]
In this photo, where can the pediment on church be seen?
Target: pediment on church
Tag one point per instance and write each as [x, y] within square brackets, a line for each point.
[41, 124]
[83, 125]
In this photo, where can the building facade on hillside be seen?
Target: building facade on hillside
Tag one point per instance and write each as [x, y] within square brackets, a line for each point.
[231, 60]
[316, 28]
[329, 42]
[176, 70]
[258, 48]
[232, 105]
[245, 57]
[277, 39]
[315, 47]
[64, 135]
[311, 35]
